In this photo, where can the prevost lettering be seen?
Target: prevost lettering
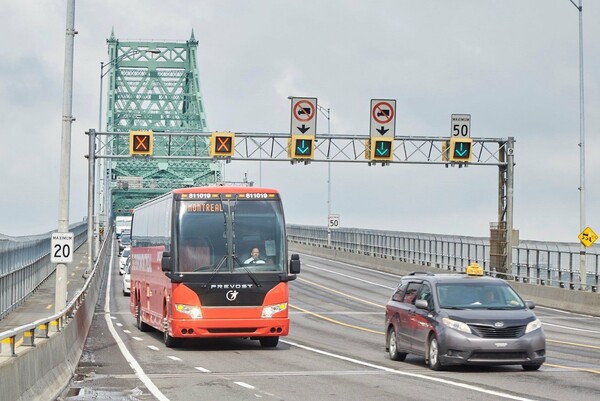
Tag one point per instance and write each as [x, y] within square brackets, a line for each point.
[231, 286]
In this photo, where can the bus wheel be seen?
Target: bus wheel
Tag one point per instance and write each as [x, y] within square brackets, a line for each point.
[138, 318]
[170, 342]
[269, 342]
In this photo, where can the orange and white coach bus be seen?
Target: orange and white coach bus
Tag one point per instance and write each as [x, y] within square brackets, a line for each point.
[212, 262]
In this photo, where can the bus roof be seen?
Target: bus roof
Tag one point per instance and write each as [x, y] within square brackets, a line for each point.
[224, 190]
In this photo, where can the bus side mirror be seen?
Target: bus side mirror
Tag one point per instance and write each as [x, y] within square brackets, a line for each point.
[166, 262]
[295, 264]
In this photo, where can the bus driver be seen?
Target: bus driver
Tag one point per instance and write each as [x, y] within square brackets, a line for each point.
[254, 258]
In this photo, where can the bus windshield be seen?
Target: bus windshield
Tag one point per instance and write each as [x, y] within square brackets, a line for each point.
[230, 236]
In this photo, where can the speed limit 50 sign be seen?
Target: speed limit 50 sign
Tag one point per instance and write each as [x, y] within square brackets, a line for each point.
[61, 248]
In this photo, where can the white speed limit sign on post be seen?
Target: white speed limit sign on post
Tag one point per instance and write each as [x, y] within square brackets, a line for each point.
[333, 221]
[61, 248]
[460, 126]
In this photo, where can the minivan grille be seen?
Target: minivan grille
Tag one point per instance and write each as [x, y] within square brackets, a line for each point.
[497, 332]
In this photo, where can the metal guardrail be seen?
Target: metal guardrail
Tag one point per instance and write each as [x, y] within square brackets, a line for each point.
[55, 323]
[544, 263]
[25, 265]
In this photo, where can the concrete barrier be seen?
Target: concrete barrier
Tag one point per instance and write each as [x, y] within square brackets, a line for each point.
[559, 298]
[43, 371]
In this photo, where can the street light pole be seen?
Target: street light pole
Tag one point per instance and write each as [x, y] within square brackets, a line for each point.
[60, 295]
[327, 114]
[582, 223]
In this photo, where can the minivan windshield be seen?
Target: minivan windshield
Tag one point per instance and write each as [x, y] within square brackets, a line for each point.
[475, 294]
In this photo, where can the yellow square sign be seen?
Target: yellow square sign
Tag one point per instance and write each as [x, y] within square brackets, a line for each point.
[588, 237]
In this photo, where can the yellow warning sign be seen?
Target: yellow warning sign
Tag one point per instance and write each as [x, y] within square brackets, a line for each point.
[588, 237]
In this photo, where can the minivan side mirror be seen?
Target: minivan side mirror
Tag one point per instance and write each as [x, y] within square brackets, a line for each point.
[166, 262]
[530, 304]
[295, 264]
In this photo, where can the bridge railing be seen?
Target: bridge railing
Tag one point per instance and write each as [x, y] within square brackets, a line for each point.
[545, 263]
[25, 264]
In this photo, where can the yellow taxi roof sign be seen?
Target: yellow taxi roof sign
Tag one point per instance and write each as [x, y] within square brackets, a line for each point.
[474, 269]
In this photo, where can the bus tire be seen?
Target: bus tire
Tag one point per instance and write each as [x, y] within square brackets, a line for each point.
[141, 325]
[170, 342]
[269, 342]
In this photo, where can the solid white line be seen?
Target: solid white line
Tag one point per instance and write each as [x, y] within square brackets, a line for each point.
[415, 375]
[566, 312]
[139, 372]
[153, 348]
[174, 358]
[356, 266]
[570, 328]
[202, 369]
[352, 277]
[245, 385]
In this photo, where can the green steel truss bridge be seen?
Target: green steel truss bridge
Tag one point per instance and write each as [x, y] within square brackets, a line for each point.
[153, 86]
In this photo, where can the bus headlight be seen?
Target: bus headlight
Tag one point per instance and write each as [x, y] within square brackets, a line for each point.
[192, 311]
[270, 310]
[532, 326]
[456, 325]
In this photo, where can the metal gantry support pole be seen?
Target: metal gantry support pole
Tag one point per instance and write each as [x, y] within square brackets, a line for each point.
[327, 114]
[510, 174]
[60, 296]
[91, 181]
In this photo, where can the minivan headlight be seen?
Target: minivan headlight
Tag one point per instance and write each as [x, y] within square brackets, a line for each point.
[270, 310]
[456, 325]
[192, 311]
[533, 325]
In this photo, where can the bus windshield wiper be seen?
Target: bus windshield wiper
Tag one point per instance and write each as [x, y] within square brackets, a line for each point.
[221, 263]
[239, 262]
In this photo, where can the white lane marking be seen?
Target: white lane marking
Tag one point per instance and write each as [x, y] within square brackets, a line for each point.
[137, 339]
[570, 328]
[174, 358]
[120, 325]
[352, 277]
[153, 348]
[356, 267]
[403, 373]
[246, 385]
[202, 369]
[566, 312]
[139, 372]
[113, 317]
[127, 331]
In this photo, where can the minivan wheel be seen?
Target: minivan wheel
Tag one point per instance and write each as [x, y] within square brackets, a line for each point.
[531, 367]
[392, 342]
[433, 354]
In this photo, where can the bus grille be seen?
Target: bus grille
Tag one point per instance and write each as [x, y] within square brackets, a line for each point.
[232, 330]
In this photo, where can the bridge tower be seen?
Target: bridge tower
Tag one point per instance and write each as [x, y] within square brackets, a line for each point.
[155, 86]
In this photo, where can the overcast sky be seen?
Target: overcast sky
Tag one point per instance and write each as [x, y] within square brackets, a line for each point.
[512, 64]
